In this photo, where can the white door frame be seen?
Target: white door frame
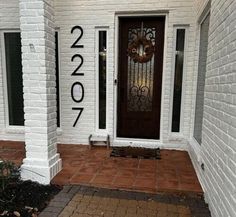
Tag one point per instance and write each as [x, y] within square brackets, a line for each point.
[121, 141]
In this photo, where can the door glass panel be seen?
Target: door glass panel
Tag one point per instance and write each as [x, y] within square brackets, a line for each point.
[141, 46]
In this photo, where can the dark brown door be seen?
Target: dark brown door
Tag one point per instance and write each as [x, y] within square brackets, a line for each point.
[141, 42]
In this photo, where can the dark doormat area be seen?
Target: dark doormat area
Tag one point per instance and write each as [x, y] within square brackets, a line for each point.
[136, 152]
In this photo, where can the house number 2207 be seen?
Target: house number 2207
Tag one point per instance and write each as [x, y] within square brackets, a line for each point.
[77, 85]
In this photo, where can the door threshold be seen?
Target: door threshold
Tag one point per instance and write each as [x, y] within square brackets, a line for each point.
[145, 143]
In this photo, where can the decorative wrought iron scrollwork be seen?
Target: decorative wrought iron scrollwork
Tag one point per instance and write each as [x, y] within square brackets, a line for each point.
[141, 47]
[140, 98]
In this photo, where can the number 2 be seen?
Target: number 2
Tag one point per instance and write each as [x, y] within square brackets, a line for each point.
[81, 63]
[75, 45]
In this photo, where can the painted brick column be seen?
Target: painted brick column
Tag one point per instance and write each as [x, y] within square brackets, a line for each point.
[42, 161]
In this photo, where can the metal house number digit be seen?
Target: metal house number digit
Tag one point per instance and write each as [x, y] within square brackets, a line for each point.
[80, 64]
[75, 45]
[74, 88]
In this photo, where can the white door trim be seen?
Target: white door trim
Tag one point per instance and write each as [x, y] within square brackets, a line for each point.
[134, 141]
[180, 134]
[97, 29]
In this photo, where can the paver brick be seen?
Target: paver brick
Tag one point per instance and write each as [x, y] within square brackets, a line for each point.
[132, 203]
[72, 204]
[77, 197]
[66, 188]
[57, 204]
[131, 210]
[69, 209]
[49, 214]
[152, 205]
[65, 214]
[115, 205]
[183, 210]
[184, 215]
[172, 208]
[61, 199]
[53, 209]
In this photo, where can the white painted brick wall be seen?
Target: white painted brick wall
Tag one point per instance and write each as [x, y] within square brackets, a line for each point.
[42, 161]
[199, 5]
[90, 14]
[9, 14]
[219, 129]
[218, 149]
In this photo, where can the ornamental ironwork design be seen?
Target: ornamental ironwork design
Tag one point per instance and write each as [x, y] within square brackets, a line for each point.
[141, 46]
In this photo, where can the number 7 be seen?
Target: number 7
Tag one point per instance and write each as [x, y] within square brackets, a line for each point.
[80, 112]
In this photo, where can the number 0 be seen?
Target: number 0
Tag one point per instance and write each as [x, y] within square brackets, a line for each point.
[82, 92]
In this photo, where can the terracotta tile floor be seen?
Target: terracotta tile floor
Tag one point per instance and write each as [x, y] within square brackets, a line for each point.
[173, 173]
[12, 151]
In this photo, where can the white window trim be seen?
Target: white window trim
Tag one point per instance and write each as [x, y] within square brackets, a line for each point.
[97, 30]
[14, 128]
[140, 142]
[175, 135]
[9, 128]
[205, 13]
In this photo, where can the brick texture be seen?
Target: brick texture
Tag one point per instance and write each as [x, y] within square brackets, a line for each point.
[69, 14]
[9, 19]
[218, 149]
[38, 59]
[90, 201]
[103, 14]
[219, 123]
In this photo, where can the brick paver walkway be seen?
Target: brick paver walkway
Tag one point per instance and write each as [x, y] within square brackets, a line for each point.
[82, 201]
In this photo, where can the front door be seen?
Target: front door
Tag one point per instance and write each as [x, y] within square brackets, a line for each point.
[141, 42]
